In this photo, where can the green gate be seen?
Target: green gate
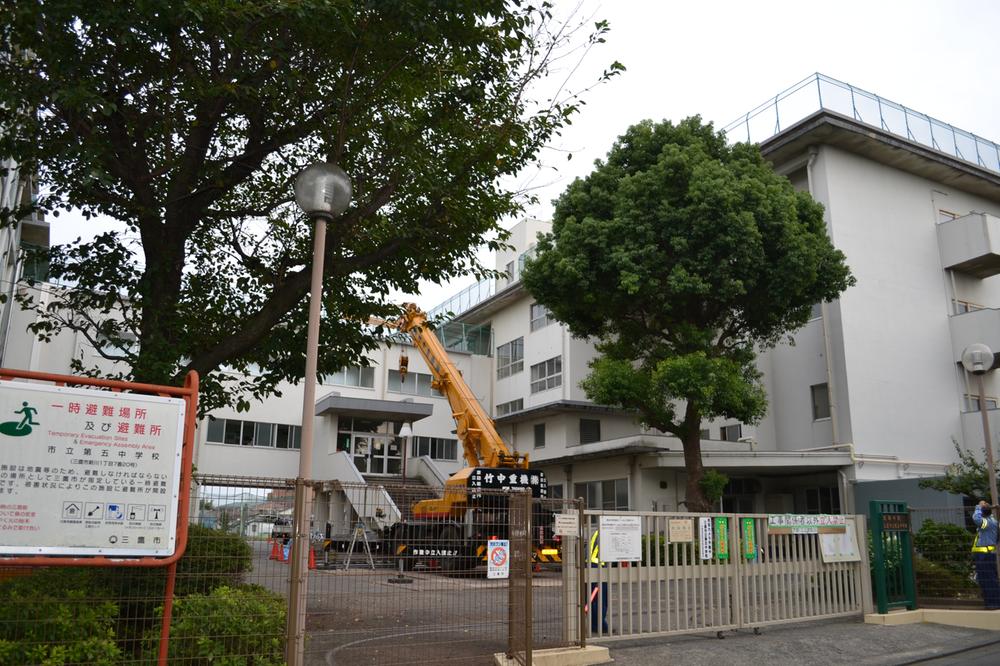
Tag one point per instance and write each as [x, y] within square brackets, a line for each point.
[892, 556]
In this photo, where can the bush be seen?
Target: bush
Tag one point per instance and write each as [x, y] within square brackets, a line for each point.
[212, 559]
[935, 580]
[946, 545]
[232, 626]
[52, 618]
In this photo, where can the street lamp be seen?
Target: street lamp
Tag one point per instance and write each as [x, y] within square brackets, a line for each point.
[405, 433]
[979, 359]
[323, 192]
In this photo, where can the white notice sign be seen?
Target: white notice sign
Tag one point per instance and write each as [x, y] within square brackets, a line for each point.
[498, 558]
[705, 532]
[840, 546]
[88, 472]
[620, 538]
[567, 524]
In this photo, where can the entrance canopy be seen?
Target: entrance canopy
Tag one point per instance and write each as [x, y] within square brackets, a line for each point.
[378, 410]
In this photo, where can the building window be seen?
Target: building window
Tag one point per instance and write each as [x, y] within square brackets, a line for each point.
[972, 403]
[438, 448]
[610, 495]
[590, 430]
[416, 383]
[505, 408]
[705, 434]
[731, 433]
[540, 317]
[823, 500]
[556, 491]
[253, 433]
[820, 401]
[510, 358]
[353, 376]
[961, 307]
[817, 311]
[738, 495]
[546, 375]
[540, 444]
[510, 272]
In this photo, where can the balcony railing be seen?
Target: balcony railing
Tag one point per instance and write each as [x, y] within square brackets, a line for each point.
[819, 92]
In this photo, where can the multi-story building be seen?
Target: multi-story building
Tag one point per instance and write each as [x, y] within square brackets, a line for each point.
[867, 397]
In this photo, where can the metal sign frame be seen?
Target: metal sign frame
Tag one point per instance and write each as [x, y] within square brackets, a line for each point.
[188, 393]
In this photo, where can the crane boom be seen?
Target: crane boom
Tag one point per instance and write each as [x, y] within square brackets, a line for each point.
[481, 443]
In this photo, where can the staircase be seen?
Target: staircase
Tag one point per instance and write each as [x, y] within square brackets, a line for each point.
[403, 495]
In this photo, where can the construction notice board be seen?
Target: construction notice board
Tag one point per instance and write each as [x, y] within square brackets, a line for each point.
[88, 472]
[620, 538]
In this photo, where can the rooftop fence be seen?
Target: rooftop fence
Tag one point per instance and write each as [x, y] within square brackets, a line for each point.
[819, 92]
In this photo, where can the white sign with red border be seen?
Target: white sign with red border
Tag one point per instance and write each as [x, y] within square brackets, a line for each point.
[498, 558]
[88, 472]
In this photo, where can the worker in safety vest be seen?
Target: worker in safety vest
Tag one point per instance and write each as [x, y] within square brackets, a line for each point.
[601, 597]
[984, 549]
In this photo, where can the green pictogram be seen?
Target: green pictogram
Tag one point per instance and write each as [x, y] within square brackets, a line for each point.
[22, 427]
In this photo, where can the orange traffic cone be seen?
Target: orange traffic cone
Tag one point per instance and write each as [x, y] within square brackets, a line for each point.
[312, 558]
[275, 550]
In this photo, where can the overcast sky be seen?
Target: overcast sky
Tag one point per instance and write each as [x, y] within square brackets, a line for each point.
[722, 58]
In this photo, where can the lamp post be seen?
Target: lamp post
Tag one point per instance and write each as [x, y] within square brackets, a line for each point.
[323, 192]
[405, 432]
[979, 359]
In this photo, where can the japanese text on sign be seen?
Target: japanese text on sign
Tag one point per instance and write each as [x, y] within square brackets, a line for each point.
[88, 472]
[498, 558]
[788, 523]
[620, 538]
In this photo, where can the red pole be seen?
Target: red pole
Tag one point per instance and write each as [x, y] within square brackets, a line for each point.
[168, 610]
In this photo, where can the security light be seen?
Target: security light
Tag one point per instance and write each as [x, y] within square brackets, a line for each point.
[977, 359]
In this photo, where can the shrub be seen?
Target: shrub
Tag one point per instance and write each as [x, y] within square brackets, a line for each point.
[231, 626]
[53, 618]
[935, 580]
[945, 544]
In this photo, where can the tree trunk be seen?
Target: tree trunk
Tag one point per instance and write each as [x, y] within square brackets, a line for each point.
[695, 499]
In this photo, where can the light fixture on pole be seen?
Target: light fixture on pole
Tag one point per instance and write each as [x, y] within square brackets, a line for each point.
[979, 359]
[405, 432]
[323, 192]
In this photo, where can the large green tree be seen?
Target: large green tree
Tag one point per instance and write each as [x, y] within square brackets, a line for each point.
[683, 257]
[187, 121]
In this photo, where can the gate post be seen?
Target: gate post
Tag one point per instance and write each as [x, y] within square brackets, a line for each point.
[519, 621]
[895, 586]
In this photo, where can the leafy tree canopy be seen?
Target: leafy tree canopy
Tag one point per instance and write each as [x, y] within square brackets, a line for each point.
[682, 256]
[188, 121]
[967, 477]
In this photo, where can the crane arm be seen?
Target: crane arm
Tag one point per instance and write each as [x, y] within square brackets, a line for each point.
[482, 445]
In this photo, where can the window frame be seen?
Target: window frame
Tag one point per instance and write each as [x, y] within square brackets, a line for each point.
[820, 408]
[589, 423]
[510, 358]
[553, 377]
[509, 407]
[725, 430]
[541, 321]
[536, 429]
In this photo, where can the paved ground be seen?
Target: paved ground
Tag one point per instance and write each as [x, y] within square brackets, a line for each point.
[821, 644]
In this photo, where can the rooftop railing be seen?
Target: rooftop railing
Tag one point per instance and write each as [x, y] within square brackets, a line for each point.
[820, 92]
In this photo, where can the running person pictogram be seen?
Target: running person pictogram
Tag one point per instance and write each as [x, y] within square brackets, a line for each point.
[22, 428]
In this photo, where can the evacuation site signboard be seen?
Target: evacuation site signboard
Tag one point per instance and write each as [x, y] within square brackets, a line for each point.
[88, 472]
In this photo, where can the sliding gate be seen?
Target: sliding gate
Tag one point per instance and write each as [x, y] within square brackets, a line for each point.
[713, 573]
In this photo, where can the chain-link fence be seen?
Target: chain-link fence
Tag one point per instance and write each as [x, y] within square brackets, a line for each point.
[943, 567]
[395, 576]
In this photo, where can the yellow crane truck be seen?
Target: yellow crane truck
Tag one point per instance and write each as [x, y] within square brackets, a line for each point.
[453, 530]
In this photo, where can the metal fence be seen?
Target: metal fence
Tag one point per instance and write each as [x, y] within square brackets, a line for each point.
[942, 549]
[761, 579]
[384, 586]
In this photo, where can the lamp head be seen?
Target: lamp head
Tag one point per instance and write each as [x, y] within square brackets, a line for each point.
[323, 190]
[977, 359]
[405, 430]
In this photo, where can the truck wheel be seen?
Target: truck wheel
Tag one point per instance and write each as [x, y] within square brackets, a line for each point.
[451, 540]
